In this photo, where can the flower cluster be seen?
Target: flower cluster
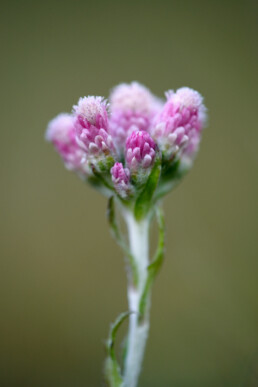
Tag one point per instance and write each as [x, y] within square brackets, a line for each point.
[120, 142]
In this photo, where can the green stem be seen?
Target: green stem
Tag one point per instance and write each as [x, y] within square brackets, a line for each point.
[138, 330]
[140, 283]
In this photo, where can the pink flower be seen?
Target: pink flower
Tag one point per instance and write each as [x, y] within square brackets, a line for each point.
[132, 108]
[139, 127]
[121, 179]
[91, 126]
[180, 122]
[140, 151]
[61, 132]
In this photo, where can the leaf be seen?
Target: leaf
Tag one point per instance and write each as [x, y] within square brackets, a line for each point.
[144, 200]
[112, 368]
[155, 265]
[170, 176]
[111, 217]
[98, 185]
[120, 240]
[169, 170]
[100, 177]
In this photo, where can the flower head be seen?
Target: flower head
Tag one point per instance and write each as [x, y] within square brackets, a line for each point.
[91, 124]
[61, 132]
[92, 111]
[140, 151]
[180, 122]
[132, 97]
[121, 180]
[132, 107]
[120, 143]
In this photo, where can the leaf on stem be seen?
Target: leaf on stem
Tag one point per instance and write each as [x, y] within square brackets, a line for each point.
[171, 175]
[155, 265]
[101, 179]
[144, 200]
[112, 368]
[98, 185]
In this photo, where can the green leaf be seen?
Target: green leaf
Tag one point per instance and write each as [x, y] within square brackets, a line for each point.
[112, 368]
[112, 218]
[155, 265]
[171, 175]
[120, 240]
[100, 177]
[144, 201]
[98, 185]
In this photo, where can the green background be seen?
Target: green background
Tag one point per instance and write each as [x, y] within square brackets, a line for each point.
[62, 278]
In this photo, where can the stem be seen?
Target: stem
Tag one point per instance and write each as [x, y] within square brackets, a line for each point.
[138, 328]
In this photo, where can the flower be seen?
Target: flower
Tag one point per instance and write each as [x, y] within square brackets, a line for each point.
[132, 97]
[118, 143]
[177, 128]
[61, 132]
[121, 180]
[132, 108]
[91, 124]
[140, 151]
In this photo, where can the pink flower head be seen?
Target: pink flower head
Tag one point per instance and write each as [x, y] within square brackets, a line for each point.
[181, 119]
[132, 108]
[139, 130]
[61, 132]
[121, 179]
[91, 124]
[140, 151]
[132, 97]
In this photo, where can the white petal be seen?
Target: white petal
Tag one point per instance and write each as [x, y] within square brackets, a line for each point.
[147, 161]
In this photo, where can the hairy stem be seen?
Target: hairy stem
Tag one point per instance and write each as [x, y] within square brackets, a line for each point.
[138, 232]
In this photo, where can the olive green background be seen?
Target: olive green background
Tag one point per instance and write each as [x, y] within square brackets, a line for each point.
[62, 278]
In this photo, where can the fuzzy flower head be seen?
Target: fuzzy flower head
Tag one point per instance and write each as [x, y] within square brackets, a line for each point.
[132, 97]
[91, 124]
[132, 107]
[140, 152]
[121, 180]
[92, 111]
[180, 122]
[134, 140]
[61, 132]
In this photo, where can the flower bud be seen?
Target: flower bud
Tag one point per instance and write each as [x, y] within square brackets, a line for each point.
[61, 132]
[121, 180]
[91, 124]
[140, 151]
[180, 122]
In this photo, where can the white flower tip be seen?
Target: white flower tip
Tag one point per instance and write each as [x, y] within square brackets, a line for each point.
[90, 107]
[132, 96]
[146, 161]
[188, 97]
[59, 127]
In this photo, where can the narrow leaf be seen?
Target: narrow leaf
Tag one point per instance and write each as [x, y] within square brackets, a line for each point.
[144, 200]
[100, 177]
[98, 185]
[170, 176]
[112, 368]
[155, 265]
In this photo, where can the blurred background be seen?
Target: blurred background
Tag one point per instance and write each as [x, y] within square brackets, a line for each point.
[62, 278]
